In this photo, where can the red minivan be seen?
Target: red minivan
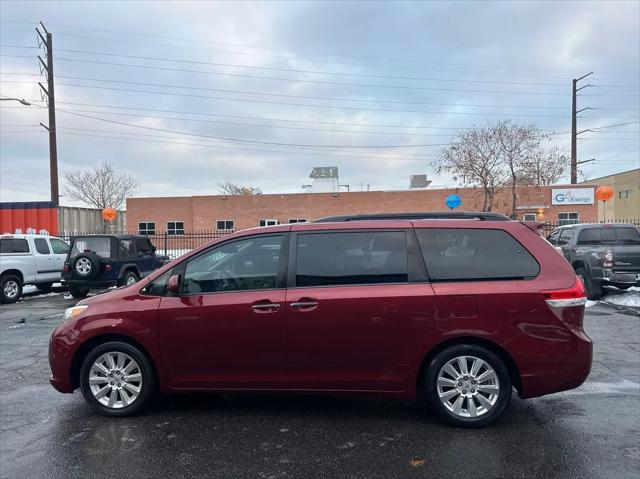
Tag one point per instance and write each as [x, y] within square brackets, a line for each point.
[454, 309]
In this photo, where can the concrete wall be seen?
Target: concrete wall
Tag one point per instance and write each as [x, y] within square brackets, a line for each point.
[202, 212]
[87, 220]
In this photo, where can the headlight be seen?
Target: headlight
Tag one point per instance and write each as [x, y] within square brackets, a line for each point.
[73, 312]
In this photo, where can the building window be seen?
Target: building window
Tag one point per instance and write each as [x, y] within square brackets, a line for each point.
[175, 227]
[268, 222]
[530, 217]
[297, 220]
[624, 195]
[571, 218]
[146, 228]
[225, 225]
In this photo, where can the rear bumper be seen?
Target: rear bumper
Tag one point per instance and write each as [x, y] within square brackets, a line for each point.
[615, 277]
[564, 365]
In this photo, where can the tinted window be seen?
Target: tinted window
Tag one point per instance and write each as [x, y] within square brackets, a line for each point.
[127, 248]
[553, 237]
[474, 254]
[238, 266]
[325, 259]
[58, 246]
[609, 236]
[95, 244]
[41, 246]
[143, 246]
[565, 236]
[157, 286]
[14, 245]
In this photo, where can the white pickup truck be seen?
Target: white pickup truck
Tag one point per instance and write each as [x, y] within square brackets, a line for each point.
[29, 259]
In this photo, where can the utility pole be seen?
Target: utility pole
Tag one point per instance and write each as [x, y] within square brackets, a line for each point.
[47, 68]
[574, 129]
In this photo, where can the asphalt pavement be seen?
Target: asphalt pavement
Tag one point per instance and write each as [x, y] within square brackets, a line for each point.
[591, 432]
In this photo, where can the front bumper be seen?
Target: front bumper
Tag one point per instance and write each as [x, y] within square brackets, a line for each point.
[62, 346]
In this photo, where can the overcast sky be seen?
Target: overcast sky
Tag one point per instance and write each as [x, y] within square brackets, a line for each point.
[259, 93]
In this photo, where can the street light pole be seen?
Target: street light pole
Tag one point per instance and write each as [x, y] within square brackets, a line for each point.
[21, 101]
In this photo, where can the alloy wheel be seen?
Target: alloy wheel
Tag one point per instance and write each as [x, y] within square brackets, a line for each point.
[115, 379]
[11, 289]
[83, 266]
[468, 386]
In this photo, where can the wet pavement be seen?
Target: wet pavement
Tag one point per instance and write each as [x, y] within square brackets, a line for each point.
[591, 432]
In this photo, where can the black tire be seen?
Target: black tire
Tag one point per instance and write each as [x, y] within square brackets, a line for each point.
[146, 386]
[10, 288]
[127, 276]
[85, 259]
[431, 389]
[77, 292]
[44, 287]
[594, 289]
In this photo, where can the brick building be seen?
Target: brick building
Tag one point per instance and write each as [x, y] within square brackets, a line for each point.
[556, 204]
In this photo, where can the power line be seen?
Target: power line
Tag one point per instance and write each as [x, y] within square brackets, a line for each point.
[242, 140]
[308, 105]
[288, 50]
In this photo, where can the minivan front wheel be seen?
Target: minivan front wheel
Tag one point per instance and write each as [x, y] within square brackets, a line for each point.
[467, 386]
[116, 379]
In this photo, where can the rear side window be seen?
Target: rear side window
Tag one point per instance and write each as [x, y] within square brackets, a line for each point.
[58, 246]
[41, 246]
[14, 245]
[616, 235]
[474, 255]
[326, 259]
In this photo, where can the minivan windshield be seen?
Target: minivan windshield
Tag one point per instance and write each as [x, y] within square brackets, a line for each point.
[96, 244]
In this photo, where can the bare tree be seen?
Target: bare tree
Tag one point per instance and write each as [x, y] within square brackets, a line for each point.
[474, 160]
[504, 154]
[100, 187]
[229, 188]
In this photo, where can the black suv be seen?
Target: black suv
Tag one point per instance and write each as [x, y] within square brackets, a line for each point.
[99, 261]
[601, 254]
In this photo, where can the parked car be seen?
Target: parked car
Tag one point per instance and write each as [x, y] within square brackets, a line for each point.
[29, 259]
[454, 311]
[601, 254]
[99, 261]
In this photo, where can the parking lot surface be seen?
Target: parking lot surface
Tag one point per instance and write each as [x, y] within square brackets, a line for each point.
[591, 432]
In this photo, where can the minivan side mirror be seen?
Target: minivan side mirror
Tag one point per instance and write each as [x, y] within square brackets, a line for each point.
[173, 285]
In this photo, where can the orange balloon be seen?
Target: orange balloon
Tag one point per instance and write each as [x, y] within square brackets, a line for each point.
[604, 193]
[109, 214]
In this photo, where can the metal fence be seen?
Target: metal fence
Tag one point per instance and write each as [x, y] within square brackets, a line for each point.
[174, 245]
[550, 226]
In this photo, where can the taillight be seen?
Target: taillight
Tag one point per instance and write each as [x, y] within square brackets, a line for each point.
[563, 298]
[567, 304]
[66, 268]
[607, 259]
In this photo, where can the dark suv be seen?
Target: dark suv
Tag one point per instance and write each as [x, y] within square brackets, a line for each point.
[601, 254]
[453, 309]
[99, 261]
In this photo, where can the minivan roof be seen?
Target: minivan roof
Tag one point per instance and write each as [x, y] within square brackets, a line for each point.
[435, 215]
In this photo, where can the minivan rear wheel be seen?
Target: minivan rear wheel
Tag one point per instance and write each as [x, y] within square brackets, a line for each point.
[116, 379]
[467, 385]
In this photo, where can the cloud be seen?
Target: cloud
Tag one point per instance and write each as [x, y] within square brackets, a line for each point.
[452, 47]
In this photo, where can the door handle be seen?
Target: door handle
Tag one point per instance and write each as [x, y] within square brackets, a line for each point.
[265, 307]
[305, 304]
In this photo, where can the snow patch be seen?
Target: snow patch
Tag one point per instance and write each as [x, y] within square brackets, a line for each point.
[629, 298]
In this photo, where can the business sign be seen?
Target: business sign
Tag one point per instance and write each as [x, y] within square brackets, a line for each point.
[572, 196]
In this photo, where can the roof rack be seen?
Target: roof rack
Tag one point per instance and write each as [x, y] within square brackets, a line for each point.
[437, 215]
